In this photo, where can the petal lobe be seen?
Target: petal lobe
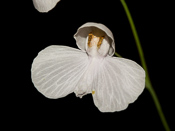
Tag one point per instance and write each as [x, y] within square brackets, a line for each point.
[45, 5]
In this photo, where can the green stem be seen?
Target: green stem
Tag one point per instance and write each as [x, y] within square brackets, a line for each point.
[148, 82]
[159, 109]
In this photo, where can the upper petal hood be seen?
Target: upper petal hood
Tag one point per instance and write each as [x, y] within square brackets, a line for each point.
[83, 31]
[45, 5]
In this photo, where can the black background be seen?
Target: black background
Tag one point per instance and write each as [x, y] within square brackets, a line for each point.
[29, 31]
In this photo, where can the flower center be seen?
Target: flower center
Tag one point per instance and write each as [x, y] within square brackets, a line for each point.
[94, 40]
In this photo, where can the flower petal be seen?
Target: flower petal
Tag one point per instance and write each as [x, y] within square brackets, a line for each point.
[83, 31]
[45, 5]
[57, 70]
[119, 82]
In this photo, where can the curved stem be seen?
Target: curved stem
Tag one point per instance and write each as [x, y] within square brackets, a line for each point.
[159, 109]
[134, 31]
[148, 82]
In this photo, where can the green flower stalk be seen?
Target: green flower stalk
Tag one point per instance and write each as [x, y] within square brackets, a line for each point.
[141, 54]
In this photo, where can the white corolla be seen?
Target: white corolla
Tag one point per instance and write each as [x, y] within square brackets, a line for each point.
[44, 5]
[113, 82]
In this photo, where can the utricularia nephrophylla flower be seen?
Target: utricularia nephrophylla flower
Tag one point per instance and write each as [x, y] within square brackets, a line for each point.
[44, 5]
[113, 82]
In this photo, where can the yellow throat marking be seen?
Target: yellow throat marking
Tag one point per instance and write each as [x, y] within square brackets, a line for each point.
[94, 40]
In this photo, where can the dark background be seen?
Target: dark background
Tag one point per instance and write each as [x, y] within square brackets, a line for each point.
[31, 31]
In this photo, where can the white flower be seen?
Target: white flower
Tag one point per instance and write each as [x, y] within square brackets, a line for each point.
[45, 5]
[113, 82]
